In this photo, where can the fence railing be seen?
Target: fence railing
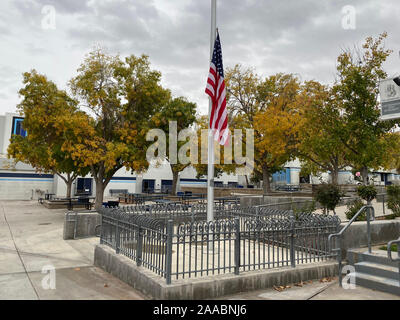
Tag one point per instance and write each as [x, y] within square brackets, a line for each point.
[238, 240]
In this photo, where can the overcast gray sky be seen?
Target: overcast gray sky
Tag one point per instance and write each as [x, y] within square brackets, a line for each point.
[297, 36]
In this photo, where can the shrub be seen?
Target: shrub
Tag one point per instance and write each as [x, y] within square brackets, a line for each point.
[393, 202]
[353, 208]
[367, 193]
[328, 195]
[392, 248]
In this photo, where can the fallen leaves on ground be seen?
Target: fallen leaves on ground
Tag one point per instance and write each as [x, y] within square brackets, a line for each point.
[77, 269]
[105, 285]
[327, 279]
[281, 288]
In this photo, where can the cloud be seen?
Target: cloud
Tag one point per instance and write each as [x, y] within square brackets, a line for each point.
[302, 37]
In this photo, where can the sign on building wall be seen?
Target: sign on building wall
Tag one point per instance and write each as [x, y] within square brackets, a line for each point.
[390, 99]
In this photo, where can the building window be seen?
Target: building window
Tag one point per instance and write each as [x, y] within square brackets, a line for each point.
[17, 127]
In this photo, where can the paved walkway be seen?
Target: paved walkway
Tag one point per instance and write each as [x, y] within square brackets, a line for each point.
[378, 207]
[328, 289]
[31, 243]
[31, 239]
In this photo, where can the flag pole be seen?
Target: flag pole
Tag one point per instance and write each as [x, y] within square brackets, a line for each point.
[210, 168]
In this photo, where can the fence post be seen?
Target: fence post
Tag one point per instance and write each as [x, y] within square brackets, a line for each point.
[383, 204]
[192, 213]
[369, 227]
[101, 229]
[292, 249]
[237, 245]
[139, 246]
[117, 237]
[339, 260]
[168, 259]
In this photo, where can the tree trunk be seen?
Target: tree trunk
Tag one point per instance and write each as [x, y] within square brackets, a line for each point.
[335, 176]
[364, 173]
[266, 183]
[174, 181]
[99, 194]
[69, 187]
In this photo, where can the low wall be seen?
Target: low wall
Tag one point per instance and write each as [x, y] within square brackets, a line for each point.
[247, 201]
[210, 287]
[256, 201]
[223, 192]
[381, 233]
[80, 224]
[60, 204]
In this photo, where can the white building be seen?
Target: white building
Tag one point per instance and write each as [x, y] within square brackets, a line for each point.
[19, 181]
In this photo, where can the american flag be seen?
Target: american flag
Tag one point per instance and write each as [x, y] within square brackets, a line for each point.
[216, 90]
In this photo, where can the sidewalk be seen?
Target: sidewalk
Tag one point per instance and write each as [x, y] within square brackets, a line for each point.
[316, 290]
[378, 207]
[30, 240]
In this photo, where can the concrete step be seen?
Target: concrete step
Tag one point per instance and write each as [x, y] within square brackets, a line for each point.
[377, 256]
[377, 269]
[376, 283]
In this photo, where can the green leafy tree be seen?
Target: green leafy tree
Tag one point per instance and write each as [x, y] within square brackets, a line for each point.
[320, 146]
[357, 89]
[183, 113]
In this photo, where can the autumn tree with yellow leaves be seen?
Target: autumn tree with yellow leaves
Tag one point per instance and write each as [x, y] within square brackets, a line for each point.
[122, 96]
[51, 118]
[270, 107]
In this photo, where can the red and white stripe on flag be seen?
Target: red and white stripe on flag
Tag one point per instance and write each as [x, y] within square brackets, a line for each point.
[216, 90]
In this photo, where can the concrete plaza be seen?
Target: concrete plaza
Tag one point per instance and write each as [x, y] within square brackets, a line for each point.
[31, 239]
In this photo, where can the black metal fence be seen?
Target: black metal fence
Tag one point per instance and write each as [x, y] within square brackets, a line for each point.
[237, 240]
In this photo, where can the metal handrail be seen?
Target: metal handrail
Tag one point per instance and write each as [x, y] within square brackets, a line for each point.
[389, 251]
[340, 233]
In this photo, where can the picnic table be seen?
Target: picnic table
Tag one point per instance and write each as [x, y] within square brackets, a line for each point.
[163, 201]
[79, 201]
[49, 196]
[226, 200]
[289, 188]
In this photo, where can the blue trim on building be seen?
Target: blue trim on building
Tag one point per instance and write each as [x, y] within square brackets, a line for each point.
[122, 181]
[123, 178]
[22, 179]
[194, 180]
[25, 175]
